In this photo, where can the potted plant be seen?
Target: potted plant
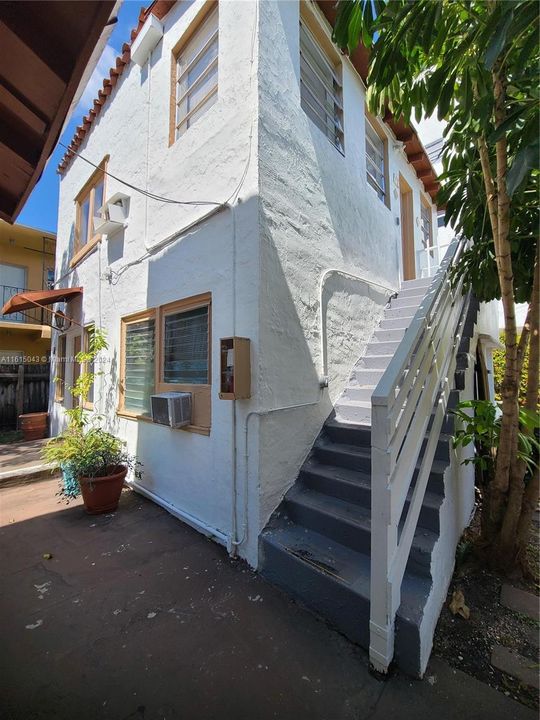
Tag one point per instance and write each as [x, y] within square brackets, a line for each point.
[93, 462]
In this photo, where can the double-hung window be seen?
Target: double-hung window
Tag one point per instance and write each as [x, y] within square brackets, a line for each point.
[167, 349]
[196, 83]
[320, 87]
[375, 161]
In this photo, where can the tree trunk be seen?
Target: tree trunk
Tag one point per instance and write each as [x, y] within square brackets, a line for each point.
[509, 389]
[518, 515]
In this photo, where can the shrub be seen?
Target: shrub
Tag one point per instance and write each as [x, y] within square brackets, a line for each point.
[498, 372]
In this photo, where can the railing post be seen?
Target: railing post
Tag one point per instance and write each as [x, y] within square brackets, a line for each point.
[383, 543]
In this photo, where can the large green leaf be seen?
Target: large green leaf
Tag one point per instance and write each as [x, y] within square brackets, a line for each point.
[498, 40]
[526, 159]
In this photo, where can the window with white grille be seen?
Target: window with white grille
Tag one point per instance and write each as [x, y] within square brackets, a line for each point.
[197, 74]
[185, 348]
[375, 161]
[320, 88]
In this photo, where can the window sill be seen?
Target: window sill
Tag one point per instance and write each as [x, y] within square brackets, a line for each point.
[84, 251]
[146, 418]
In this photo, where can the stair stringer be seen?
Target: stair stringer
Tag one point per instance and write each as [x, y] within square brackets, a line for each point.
[456, 511]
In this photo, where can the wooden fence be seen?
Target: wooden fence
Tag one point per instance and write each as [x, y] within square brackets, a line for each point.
[24, 388]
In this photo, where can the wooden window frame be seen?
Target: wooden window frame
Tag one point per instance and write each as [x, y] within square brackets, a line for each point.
[375, 127]
[198, 21]
[141, 316]
[331, 57]
[60, 377]
[201, 393]
[99, 174]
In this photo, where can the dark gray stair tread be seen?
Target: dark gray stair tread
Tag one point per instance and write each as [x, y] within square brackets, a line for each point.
[358, 479]
[361, 452]
[337, 472]
[341, 425]
[351, 513]
[345, 566]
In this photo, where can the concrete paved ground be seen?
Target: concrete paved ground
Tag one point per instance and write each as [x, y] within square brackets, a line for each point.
[22, 462]
[138, 617]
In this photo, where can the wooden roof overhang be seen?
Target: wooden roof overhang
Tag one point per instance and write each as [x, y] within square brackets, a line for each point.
[48, 51]
[414, 150]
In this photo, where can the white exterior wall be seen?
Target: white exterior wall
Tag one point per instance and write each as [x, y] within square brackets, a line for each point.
[317, 212]
[303, 208]
[190, 471]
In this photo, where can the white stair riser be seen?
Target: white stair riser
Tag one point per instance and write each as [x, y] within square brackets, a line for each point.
[401, 312]
[419, 283]
[405, 303]
[381, 348]
[414, 294]
[358, 393]
[353, 414]
[395, 324]
[362, 376]
[389, 335]
[372, 362]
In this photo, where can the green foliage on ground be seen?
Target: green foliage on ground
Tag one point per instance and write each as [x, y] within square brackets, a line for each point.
[498, 372]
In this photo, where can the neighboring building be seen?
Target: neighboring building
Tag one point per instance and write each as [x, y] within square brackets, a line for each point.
[269, 222]
[27, 257]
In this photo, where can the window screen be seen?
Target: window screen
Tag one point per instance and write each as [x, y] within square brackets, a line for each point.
[185, 352]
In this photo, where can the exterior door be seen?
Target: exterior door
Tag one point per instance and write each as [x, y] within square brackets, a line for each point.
[407, 230]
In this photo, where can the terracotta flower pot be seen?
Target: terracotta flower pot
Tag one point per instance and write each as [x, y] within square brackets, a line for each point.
[102, 494]
[33, 425]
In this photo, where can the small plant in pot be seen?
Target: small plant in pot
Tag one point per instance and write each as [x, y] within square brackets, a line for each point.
[94, 462]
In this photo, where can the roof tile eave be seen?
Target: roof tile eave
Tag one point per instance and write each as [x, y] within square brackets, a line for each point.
[159, 8]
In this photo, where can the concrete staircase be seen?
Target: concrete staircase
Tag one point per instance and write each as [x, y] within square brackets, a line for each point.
[354, 405]
[317, 543]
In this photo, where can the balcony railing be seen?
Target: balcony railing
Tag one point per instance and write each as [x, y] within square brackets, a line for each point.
[35, 315]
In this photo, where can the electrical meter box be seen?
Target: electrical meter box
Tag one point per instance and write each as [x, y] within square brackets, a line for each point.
[235, 368]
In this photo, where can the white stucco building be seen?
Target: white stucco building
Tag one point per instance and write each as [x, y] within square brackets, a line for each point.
[257, 200]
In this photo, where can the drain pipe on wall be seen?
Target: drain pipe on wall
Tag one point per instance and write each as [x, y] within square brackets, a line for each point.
[236, 543]
[322, 315]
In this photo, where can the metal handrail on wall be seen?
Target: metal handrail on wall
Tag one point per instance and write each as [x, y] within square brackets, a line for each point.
[415, 385]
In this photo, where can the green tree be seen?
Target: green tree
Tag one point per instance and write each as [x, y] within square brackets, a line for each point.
[475, 63]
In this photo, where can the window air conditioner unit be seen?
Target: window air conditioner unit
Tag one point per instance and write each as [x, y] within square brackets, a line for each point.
[171, 408]
[112, 215]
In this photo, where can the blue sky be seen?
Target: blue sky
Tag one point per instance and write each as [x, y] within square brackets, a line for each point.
[41, 209]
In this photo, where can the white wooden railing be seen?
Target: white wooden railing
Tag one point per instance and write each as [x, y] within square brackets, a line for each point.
[415, 384]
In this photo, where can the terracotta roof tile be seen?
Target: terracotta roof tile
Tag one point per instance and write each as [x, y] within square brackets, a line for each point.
[159, 8]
